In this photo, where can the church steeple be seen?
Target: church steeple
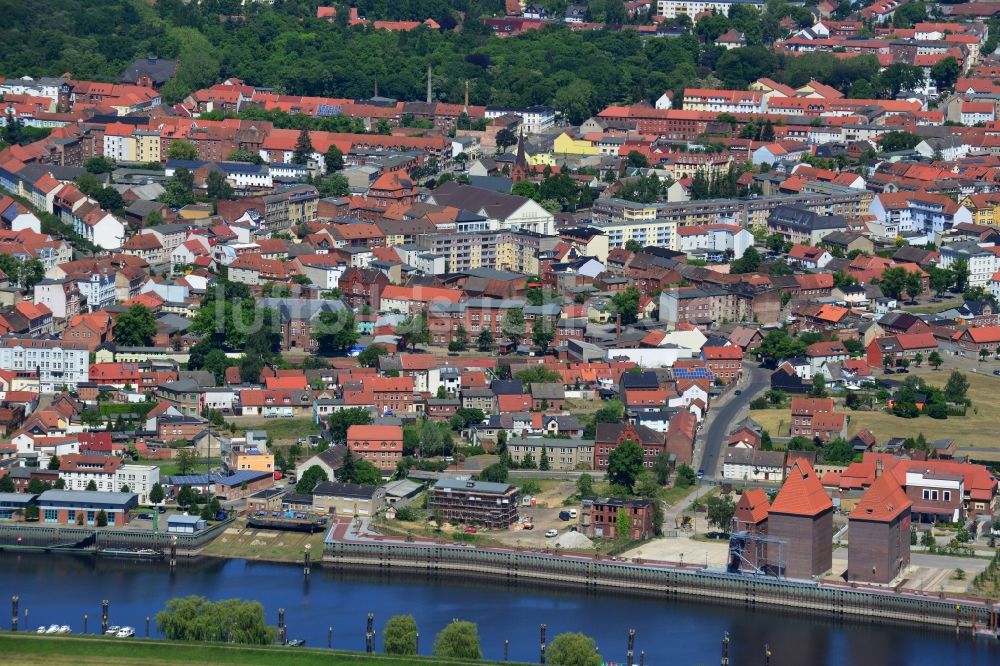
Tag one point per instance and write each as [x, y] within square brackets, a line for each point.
[520, 171]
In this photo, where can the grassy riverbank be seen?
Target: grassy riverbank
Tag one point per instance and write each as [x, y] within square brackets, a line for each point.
[33, 650]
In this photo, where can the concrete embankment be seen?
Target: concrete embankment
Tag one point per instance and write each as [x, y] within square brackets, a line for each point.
[873, 605]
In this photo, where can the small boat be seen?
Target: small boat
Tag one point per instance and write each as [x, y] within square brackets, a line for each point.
[112, 630]
[64, 629]
[125, 632]
[297, 642]
[41, 630]
[53, 629]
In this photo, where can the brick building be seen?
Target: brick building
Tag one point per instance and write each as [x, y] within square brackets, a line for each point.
[362, 286]
[599, 517]
[610, 436]
[389, 395]
[802, 516]
[804, 413]
[726, 363]
[750, 519]
[381, 445]
[71, 507]
[879, 547]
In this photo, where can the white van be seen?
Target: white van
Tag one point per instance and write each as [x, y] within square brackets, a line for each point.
[572, 513]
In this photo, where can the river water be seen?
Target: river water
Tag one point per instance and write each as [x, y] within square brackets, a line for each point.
[61, 588]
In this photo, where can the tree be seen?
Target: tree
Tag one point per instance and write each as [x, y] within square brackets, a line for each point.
[342, 419]
[543, 459]
[945, 73]
[399, 636]
[369, 357]
[505, 139]
[31, 273]
[956, 388]
[156, 494]
[623, 526]
[572, 649]
[196, 618]
[637, 160]
[633, 245]
[894, 141]
[542, 334]
[748, 263]
[303, 148]
[720, 511]
[135, 327]
[624, 464]
[312, 476]
[218, 187]
[459, 340]
[661, 468]
[414, 330]
[647, 485]
[914, 285]
[838, 452]
[496, 473]
[186, 459]
[101, 519]
[626, 304]
[585, 485]
[960, 272]
[458, 640]
[893, 281]
[179, 189]
[99, 165]
[940, 279]
[182, 150]
[935, 360]
[485, 341]
[984, 354]
[7, 484]
[513, 323]
[333, 158]
[250, 367]
[245, 156]
[335, 330]
[610, 413]
[53, 462]
[685, 476]
[36, 486]
[918, 359]
[92, 486]
[818, 389]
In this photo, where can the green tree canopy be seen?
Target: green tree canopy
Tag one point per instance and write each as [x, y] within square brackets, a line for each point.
[399, 636]
[572, 649]
[195, 618]
[312, 476]
[625, 462]
[458, 640]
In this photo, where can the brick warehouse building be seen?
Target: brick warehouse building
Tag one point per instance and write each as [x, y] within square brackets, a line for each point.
[599, 517]
[802, 516]
[879, 546]
[72, 507]
[610, 436]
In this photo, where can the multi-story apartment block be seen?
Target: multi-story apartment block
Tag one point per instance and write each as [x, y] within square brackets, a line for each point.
[723, 101]
[673, 8]
[478, 502]
[58, 363]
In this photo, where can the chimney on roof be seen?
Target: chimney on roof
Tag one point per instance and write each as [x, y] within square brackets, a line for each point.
[151, 59]
[878, 468]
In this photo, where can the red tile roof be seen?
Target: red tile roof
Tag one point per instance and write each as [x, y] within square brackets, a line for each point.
[884, 501]
[802, 493]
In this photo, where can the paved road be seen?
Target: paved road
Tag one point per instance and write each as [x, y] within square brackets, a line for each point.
[723, 417]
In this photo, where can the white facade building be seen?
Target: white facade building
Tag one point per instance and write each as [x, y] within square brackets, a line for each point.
[58, 363]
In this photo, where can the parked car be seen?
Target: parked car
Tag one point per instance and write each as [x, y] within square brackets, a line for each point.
[564, 515]
[572, 513]
[470, 530]
[551, 533]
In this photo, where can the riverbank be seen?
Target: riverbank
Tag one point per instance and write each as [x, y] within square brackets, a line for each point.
[34, 650]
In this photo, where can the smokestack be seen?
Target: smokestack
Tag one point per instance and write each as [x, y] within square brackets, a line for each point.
[376, 86]
[466, 94]
[618, 324]
[429, 89]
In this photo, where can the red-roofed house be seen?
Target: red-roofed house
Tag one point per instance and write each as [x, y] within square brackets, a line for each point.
[751, 518]
[726, 363]
[809, 257]
[381, 445]
[802, 516]
[804, 410]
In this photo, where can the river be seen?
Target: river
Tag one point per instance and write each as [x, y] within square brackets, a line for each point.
[61, 588]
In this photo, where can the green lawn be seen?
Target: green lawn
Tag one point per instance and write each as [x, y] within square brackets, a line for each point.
[279, 428]
[170, 468]
[674, 494]
[974, 431]
[34, 650]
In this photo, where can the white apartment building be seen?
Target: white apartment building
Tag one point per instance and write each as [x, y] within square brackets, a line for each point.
[534, 118]
[58, 363]
[674, 8]
[140, 479]
[723, 101]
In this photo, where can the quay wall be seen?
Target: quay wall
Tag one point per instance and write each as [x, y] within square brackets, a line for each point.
[845, 602]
